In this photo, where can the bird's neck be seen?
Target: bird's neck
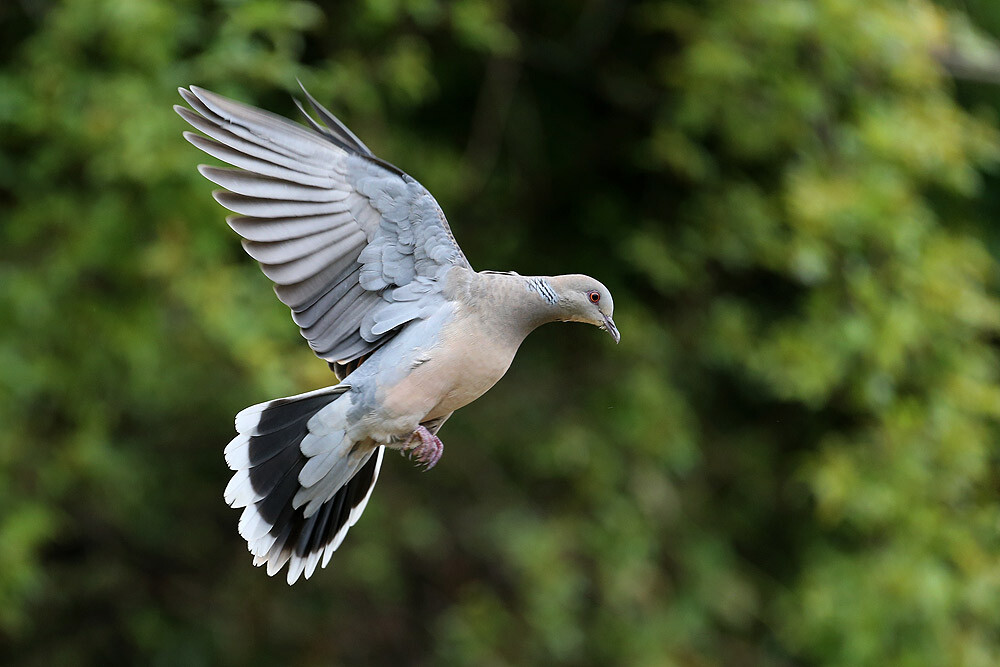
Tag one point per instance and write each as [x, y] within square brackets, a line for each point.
[519, 303]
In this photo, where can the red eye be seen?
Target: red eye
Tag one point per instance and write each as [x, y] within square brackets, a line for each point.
[594, 296]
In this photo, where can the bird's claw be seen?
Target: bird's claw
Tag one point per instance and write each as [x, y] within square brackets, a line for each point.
[424, 447]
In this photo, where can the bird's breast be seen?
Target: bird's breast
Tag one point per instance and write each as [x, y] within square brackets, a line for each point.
[465, 362]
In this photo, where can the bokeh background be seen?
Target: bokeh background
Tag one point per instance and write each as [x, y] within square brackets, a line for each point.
[791, 459]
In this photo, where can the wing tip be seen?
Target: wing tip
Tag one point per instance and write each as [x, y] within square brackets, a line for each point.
[187, 114]
[188, 96]
[224, 197]
[215, 174]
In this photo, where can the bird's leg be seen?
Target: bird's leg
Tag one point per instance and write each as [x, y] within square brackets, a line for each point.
[424, 447]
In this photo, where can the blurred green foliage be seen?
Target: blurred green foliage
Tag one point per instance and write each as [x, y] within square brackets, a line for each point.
[790, 459]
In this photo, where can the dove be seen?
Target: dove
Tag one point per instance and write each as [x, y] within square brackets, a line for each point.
[364, 258]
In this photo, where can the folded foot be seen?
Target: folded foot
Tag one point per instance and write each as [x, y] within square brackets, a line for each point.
[424, 447]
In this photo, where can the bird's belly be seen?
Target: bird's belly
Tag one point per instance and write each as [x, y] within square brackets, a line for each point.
[473, 384]
[447, 381]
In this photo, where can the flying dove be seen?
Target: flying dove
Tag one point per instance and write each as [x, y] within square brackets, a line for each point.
[363, 256]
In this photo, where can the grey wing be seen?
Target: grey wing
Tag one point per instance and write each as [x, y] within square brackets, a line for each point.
[355, 247]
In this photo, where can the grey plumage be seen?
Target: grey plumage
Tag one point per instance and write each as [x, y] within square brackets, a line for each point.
[365, 260]
[296, 176]
[334, 129]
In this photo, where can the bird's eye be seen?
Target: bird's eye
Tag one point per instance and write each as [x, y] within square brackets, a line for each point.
[595, 296]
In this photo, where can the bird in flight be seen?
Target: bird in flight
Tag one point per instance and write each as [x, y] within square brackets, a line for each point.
[363, 256]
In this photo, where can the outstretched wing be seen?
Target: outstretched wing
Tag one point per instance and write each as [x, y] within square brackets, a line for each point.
[355, 247]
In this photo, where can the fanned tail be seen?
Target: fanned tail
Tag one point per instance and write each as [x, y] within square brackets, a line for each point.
[303, 482]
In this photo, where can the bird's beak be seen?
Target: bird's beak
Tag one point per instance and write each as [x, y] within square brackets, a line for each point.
[609, 326]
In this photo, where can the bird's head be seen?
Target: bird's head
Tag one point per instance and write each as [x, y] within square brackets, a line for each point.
[583, 299]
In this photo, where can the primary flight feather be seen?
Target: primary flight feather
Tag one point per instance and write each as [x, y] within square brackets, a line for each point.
[363, 256]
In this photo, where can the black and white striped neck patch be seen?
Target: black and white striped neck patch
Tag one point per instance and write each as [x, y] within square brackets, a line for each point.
[543, 288]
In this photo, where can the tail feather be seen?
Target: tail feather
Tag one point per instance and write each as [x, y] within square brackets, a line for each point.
[252, 421]
[302, 481]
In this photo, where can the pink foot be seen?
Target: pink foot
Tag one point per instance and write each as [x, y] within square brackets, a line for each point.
[424, 447]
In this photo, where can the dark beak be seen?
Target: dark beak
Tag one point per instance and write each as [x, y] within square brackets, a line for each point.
[609, 326]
